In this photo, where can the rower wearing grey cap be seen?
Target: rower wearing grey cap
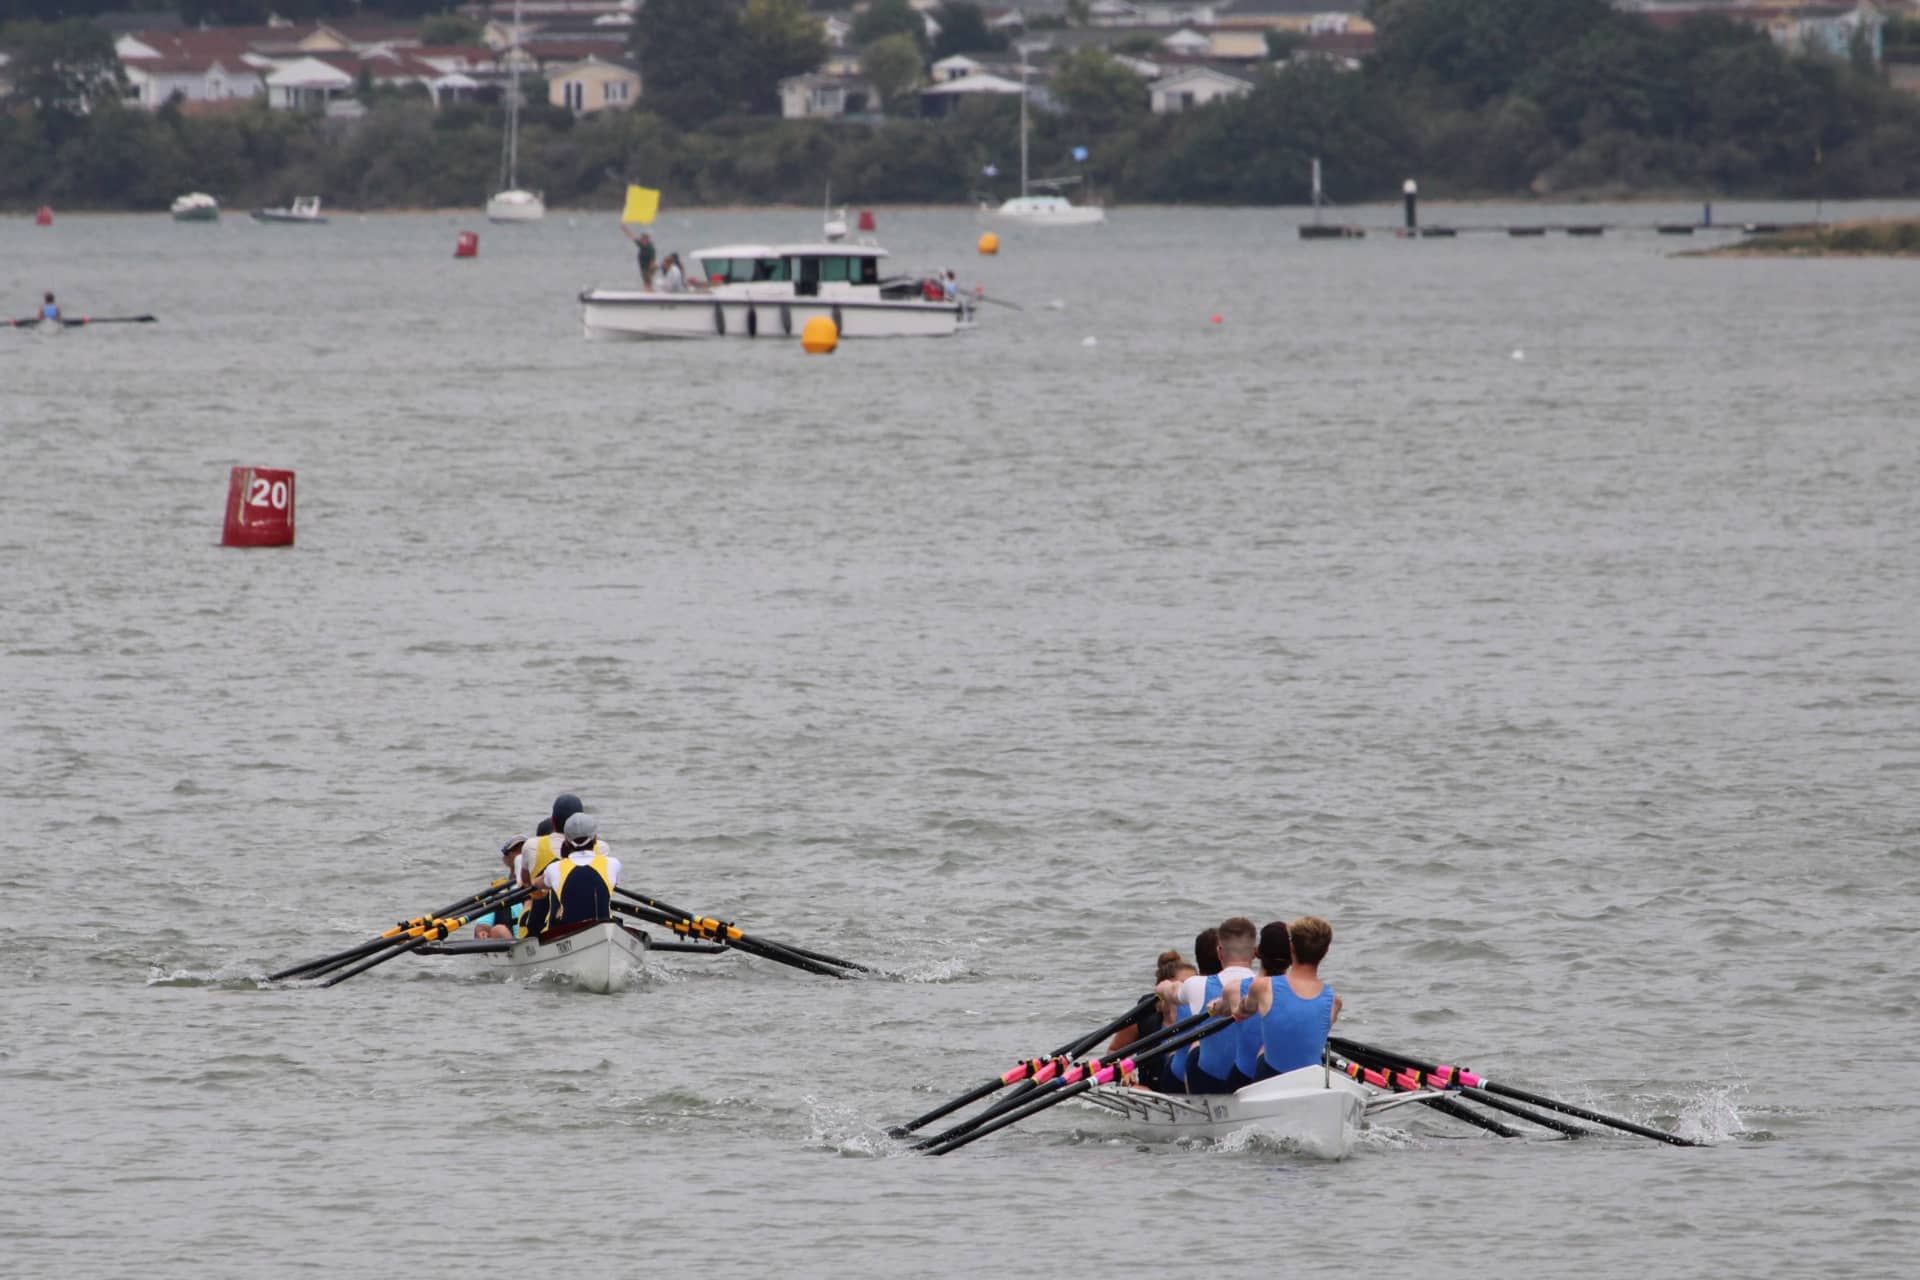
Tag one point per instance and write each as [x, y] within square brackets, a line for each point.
[581, 879]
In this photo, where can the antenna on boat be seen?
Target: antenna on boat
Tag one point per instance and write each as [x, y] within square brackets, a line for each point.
[834, 229]
[1319, 195]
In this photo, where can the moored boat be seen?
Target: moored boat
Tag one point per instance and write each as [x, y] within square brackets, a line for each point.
[303, 209]
[602, 957]
[771, 291]
[513, 203]
[196, 206]
[1319, 1111]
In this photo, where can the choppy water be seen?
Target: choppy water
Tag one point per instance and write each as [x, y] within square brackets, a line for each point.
[1540, 611]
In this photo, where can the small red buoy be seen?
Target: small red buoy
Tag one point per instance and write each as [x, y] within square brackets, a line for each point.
[259, 508]
[866, 219]
[44, 218]
[467, 245]
[1217, 320]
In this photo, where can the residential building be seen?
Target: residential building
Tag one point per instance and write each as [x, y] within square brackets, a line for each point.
[1195, 86]
[1829, 29]
[939, 99]
[593, 84]
[826, 97]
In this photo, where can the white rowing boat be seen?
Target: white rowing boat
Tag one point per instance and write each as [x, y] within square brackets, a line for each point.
[1319, 1111]
[601, 957]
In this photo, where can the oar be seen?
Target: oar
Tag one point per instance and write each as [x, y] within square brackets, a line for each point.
[684, 914]
[1446, 1106]
[430, 933]
[1469, 1082]
[354, 953]
[720, 931]
[1405, 1073]
[76, 323]
[999, 302]
[1078, 1079]
[1021, 1070]
[25, 322]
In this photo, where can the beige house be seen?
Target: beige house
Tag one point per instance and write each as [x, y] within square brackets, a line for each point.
[593, 84]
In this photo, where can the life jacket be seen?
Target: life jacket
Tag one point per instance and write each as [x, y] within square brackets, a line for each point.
[584, 897]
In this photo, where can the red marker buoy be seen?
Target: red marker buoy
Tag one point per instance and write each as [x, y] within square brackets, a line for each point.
[866, 219]
[1217, 320]
[467, 245]
[259, 508]
[44, 218]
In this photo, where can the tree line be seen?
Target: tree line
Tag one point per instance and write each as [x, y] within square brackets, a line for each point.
[1474, 97]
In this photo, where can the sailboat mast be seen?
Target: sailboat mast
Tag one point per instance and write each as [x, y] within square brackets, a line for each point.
[1023, 120]
[513, 106]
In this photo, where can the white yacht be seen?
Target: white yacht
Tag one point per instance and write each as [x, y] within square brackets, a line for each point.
[512, 203]
[303, 209]
[1049, 210]
[771, 291]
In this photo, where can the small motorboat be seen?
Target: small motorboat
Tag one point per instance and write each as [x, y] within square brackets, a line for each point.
[196, 206]
[603, 957]
[1318, 1110]
[303, 209]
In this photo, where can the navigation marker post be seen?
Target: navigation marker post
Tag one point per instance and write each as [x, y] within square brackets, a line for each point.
[259, 508]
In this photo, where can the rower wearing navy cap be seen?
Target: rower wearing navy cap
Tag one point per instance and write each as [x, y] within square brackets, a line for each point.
[536, 855]
[581, 881]
[499, 924]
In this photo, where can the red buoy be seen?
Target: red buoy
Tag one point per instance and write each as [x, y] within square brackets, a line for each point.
[259, 508]
[44, 218]
[467, 245]
[866, 219]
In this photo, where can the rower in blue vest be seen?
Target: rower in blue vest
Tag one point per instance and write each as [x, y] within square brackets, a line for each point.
[1206, 963]
[50, 310]
[1210, 1068]
[1294, 1011]
[581, 880]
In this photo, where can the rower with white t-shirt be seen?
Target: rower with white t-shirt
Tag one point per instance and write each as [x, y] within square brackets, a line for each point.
[1210, 1067]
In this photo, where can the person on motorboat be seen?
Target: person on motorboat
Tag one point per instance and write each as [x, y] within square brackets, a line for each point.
[50, 310]
[1210, 1068]
[950, 286]
[539, 853]
[673, 278]
[581, 881]
[645, 245]
[1291, 1008]
[492, 925]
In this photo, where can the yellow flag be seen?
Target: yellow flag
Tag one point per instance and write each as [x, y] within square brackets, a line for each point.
[642, 204]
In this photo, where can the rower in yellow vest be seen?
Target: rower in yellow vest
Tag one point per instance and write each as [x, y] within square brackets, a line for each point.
[581, 880]
[536, 855]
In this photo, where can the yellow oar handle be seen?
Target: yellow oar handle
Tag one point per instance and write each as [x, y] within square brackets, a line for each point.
[707, 927]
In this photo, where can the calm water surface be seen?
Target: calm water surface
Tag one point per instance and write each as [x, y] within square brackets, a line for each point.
[1540, 611]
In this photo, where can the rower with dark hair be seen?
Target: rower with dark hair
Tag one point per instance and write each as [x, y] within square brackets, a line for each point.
[499, 924]
[1157, 1073]
[1293, 1011]
[1182, 998]
[536, 855]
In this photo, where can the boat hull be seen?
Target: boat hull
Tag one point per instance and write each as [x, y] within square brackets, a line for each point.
[1310, 1109]
[615, 314]
[284, 215]
[516, 206]
[603, 958]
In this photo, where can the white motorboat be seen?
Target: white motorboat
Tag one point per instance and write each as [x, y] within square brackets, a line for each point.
[771, 291]
[512, 203]
[1049, 210]
[196, 206]
[303, 209]
[1317, 1110]
[602, 957]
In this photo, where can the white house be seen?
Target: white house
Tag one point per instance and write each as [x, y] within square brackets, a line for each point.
[1186, 42]
[306, 84]
[825, 97]
[1195, 87]
[152, 82]
[953, 67]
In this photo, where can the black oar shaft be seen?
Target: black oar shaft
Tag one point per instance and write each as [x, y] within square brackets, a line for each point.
[1523, 1095]
[803, 952]
[729, 937]
[433, 933]
[386, 939]
[1071, 1048]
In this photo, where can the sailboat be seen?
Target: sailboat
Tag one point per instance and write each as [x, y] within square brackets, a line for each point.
[511, 203]
[1051, 209]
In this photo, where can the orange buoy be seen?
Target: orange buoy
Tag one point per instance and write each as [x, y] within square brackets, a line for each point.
[259, 508]
[989, 244]
[44, 218]
[820, 336]
[467, 245]
[866, 219]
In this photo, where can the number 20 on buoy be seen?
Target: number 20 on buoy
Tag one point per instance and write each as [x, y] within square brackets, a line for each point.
[259, 508]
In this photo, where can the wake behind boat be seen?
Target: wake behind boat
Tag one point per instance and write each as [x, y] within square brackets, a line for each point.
[771, 291]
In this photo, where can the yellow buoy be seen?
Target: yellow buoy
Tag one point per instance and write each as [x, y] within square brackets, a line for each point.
[820, 336]
[989, 244]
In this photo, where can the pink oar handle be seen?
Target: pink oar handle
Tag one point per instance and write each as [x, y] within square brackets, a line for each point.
[1018, 1073]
